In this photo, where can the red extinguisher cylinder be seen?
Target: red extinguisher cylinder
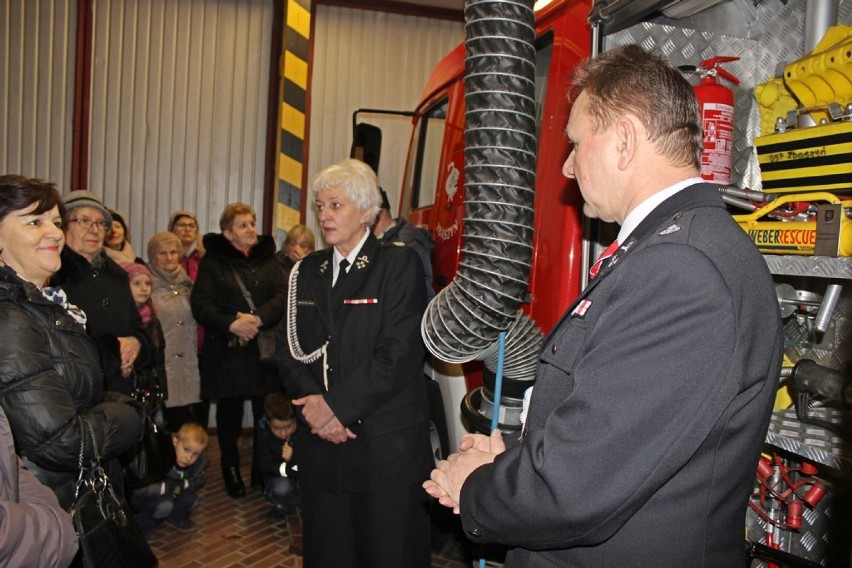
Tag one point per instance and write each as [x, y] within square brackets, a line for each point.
[716, 103]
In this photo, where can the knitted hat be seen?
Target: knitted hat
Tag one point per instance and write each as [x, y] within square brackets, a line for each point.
[85, 198]
[177, 215]
[134, 269]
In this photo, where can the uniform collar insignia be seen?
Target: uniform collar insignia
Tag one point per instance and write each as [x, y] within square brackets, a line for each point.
[323, 266]
[670, 229]
[362, 261]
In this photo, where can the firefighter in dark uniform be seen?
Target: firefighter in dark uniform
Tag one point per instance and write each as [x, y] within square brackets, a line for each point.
[350, 355]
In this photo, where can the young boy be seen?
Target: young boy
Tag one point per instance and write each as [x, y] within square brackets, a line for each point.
[172, 499]
[275, 454]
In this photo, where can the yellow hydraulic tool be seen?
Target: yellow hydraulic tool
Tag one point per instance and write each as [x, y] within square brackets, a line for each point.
[792, 237]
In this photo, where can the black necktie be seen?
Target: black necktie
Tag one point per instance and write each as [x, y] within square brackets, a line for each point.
[341, 273]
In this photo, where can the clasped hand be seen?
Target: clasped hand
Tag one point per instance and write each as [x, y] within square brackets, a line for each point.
[475, 450]
[246, 326]
[319, 416]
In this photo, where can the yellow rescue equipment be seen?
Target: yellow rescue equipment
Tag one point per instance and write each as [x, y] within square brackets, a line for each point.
[793, 237]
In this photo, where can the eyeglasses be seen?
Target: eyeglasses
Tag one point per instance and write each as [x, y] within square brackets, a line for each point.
[87, 223]
[186, 226]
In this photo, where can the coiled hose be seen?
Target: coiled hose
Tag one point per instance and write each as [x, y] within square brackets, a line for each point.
[465, 319]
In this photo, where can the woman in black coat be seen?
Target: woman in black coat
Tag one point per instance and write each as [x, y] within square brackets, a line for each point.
[352, 360]
[230, 366]
[50, 371]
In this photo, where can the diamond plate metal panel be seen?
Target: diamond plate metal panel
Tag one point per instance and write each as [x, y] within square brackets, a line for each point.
[770, 36]
[812, 443]
[810, 266]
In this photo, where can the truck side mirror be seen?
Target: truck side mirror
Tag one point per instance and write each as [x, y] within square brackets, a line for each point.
[367, 144]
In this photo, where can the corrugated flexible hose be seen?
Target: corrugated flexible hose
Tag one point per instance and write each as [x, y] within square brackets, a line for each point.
[465, 319]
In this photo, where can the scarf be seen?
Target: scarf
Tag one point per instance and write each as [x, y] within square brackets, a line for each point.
[145, 313]
[172, 279]
[126, 254]
[57, 295]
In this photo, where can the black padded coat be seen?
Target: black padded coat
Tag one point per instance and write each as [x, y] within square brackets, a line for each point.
[49, 373]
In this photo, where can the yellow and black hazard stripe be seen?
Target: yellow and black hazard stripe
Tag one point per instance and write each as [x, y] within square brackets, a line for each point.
[294, 75]
[806, 159]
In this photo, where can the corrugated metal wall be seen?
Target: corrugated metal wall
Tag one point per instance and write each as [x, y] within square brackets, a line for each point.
[366, 59]
[179, 97]
[36, 100]
[178, 111]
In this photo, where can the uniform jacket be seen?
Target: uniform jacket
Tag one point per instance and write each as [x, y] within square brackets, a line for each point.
[34, 530]
[228, 369]
[179, 329]
[421, 241]
[49, 373]
[371, 324]
[103, 292]
[650, 407]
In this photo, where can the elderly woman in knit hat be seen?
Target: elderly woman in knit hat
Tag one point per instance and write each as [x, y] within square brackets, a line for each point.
[185, 226]
[171, 291]
[97, 285]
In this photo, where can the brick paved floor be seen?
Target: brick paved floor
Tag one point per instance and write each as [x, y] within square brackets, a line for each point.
[236, 532]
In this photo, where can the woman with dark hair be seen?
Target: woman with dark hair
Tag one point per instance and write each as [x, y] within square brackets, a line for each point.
[230, 362]
[50, 371]
[117, 242]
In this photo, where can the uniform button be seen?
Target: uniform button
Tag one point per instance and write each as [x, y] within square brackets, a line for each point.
[359, 422]
[180, 323]
[553, 348]
[57, 323]
[178, 355]
[105, 302]
[330, 371]
[328, 337]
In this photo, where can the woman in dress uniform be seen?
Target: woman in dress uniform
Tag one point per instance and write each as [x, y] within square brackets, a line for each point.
[352, 361]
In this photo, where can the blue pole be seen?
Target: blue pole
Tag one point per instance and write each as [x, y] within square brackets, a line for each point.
[498, 389]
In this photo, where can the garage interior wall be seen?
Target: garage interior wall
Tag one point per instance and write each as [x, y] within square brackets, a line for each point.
[179, 97]
[179, 108]
[369, 59]
[37, 100]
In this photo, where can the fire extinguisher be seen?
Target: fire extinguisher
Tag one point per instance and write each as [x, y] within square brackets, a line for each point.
[716, 103]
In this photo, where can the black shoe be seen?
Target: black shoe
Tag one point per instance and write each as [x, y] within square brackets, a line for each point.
[183, 525]
[234, 483]
[278, 512]
[256, 479]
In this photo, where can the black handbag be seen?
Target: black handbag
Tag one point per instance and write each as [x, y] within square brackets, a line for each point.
[266, 346]
[108, 533]
[147, 460]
